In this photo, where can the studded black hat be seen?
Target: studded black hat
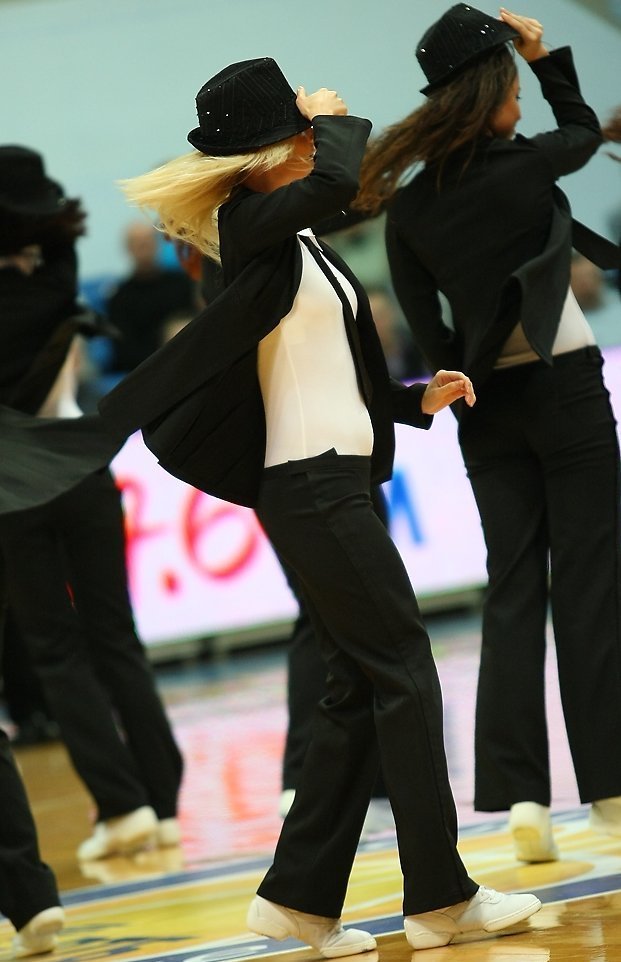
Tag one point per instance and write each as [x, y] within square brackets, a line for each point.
[245, 106]
[462, 35]
[24, 186]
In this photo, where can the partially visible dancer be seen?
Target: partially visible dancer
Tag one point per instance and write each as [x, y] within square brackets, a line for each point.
[277, 396]
[483, 222]
[28, 893]
[612, 134]
[62, 528]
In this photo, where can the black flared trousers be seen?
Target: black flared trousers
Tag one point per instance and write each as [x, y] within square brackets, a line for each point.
[383, 701]
[541, 451]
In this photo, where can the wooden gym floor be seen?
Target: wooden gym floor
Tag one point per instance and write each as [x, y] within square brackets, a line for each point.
[189, 904]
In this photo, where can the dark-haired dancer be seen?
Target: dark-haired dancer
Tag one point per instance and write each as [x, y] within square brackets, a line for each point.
[484, 223]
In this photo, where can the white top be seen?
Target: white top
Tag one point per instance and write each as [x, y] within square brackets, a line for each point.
[307, 374]
[574, 332]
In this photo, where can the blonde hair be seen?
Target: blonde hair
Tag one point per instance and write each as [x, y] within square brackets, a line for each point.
[187, 192]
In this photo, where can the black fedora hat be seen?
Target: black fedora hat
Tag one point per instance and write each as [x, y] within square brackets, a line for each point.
[460, 37]
[24, 186]
[245, 106]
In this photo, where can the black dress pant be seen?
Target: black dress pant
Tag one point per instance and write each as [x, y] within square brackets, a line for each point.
[27, 885]
[67, 588]
[541, 451]
[383, 697]
[306, 675]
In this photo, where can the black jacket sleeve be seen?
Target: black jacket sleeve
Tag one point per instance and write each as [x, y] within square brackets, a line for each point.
[418, 296]
[260, 220]
[578, 134]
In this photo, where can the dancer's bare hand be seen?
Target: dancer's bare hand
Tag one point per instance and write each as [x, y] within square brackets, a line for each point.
[444, 388]
[528, 44]
[322, 101]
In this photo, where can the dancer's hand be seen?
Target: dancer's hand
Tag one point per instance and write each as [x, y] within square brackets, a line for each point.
[323, 101]
[444, 388]
[528, 44]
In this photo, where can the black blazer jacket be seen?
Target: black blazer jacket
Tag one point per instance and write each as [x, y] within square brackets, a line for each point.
[496, 237]
[197, 399]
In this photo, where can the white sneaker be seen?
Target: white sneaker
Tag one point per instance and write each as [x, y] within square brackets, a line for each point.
[120, 836]
[605, 816]
[40, 934]
[326, 935]
[486, 911]
[531, 828]
[168, 833]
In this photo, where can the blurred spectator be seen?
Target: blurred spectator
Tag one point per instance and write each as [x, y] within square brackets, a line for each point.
[404, 361]
[146, 298]
[361, 246]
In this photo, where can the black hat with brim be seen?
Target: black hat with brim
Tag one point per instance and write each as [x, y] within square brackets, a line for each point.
[458, 39]
[247, 105]
[24, 187]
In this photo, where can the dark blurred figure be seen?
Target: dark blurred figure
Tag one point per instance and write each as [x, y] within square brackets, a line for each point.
[404, 360]
[146, 298]
[62, 527]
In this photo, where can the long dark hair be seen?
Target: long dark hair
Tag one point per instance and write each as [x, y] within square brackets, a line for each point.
[454, 116]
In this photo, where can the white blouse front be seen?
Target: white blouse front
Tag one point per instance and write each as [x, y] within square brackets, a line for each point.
[307, 374]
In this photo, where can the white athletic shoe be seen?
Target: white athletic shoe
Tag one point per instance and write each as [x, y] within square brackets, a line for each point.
[40, 934]
[120, 836]
[605, 816]
[486, 911]
[531, 828]
[326, 935]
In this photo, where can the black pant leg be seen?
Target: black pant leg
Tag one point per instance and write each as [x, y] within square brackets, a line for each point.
[306, 674]
[37, 582]
[118, 657]
[511, 737]
[580, 455]
[27, 885]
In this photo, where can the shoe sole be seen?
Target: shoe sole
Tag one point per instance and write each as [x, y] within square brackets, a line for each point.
[367, 946]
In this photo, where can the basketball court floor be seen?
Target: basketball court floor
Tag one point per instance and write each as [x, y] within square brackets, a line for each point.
[189, 904]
